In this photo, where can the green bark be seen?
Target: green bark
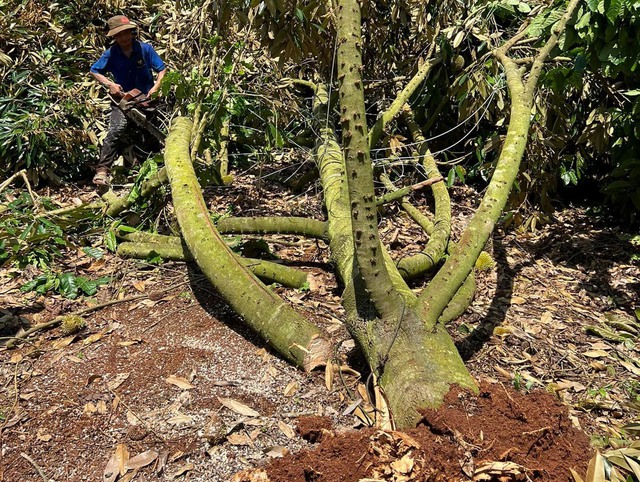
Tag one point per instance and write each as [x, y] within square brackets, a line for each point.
[422, 220]
[453, 273]
[401, 99]
[307, 227]
[118, 204]
[267, 271]
[460, 301]
[275, 321]
[415, 366]
[398, 194]
[368, 250]
[434, 250]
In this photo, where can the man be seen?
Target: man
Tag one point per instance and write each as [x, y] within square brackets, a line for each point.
[130, 63]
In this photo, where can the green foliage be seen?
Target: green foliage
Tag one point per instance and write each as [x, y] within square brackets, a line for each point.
[66, 284]
[586, 127]
[44, 111]
[29, 237]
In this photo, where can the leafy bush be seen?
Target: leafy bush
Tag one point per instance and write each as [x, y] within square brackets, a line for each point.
[44, 106]
[29, 237]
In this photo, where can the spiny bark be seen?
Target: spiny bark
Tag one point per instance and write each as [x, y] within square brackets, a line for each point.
[285, 330]
[415, 366]
[368, 251]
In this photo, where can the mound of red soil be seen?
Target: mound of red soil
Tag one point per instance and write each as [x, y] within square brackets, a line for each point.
[499, 435]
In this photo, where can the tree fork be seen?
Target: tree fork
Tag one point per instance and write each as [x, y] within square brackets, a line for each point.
[416, 366]
[275, 321]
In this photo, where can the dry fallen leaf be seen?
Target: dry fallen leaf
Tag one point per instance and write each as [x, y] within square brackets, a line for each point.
[238, 407]
[291, 388]
[130, 342]
[92, 338]
[130, 476]
[132, 418]
[276, 451]
[89, 409]
[45, 437]
[118, 380]
[179, 382]
[111, 471]
[239, 439]
[140, 286]
[62, 342]
[595, 353]
[183, 470]
[252, 475]
[328, 376]
[101, 407]
[179, 419]
[404, 465]
[122, 456]
[596, 471]
[141, 460]
[16, 358]
[287, 430]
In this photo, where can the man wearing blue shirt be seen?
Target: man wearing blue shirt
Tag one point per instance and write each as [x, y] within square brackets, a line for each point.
[130, 62]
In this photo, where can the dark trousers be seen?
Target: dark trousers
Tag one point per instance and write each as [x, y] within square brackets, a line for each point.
[113, 142]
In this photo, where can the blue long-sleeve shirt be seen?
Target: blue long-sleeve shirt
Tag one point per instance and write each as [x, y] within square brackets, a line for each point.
[132, 72]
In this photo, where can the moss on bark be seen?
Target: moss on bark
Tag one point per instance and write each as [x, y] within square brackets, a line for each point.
[267, 271]
[275, 321]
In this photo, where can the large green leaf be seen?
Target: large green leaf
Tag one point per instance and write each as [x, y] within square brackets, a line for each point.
[68, 285]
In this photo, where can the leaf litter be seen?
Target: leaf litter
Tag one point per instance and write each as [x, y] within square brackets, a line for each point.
[552, 300]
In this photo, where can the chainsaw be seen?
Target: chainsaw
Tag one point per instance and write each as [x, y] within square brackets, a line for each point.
[137, 107]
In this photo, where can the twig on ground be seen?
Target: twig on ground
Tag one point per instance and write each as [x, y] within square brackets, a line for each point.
[58, 319]
[36, 466]
[22, 173]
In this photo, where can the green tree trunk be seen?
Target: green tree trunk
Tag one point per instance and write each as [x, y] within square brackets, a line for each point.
[275, 321]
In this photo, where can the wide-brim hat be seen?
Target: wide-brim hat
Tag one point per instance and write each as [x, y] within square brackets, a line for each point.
[118, 24]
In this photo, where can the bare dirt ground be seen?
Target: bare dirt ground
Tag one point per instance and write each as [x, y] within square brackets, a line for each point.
[170, 385]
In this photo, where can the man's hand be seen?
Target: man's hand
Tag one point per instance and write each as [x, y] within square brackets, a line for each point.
[115, 89]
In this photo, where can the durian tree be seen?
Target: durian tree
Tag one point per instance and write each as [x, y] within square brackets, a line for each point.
[402, 335]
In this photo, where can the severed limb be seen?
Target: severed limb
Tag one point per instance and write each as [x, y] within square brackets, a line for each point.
[267, 271]
[286, 331]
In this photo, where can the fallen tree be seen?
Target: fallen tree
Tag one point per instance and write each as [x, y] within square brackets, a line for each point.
[409, 352]
[403, 337]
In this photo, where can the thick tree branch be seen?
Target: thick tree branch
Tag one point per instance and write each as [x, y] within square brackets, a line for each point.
[286, 331]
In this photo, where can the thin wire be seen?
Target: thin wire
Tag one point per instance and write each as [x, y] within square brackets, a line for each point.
[460, 124]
